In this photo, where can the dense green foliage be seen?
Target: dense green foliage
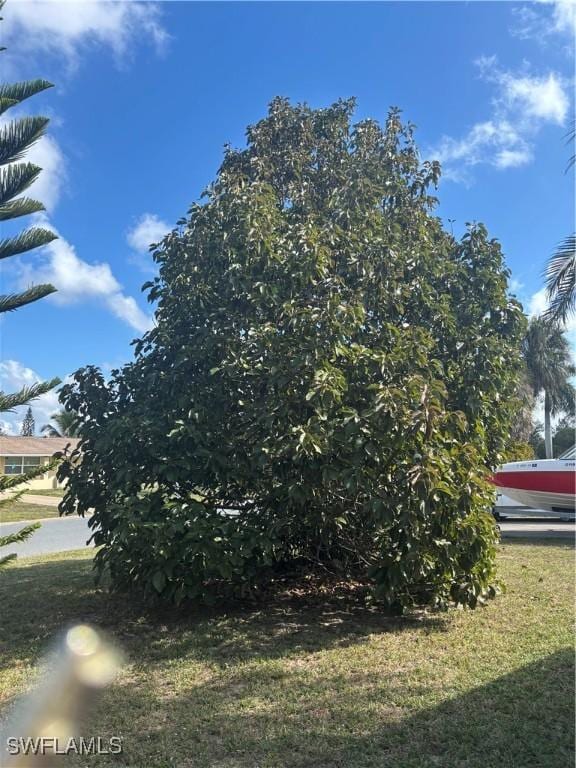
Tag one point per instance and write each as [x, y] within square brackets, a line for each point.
[519, 451]
[328, 384]
[16, 137]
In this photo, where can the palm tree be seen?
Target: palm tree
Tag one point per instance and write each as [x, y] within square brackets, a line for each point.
[547, 356]
[522, 429]
[66, 424]
[560, 271]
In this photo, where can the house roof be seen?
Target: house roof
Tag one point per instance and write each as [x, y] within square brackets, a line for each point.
[34, 446]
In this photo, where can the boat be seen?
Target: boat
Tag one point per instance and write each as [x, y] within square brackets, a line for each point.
[548, 484]
[506, 508]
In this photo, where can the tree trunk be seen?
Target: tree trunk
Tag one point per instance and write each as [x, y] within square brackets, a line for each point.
[547, 427]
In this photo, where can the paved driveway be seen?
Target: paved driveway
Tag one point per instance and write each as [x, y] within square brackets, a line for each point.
[55, 535]
[537, 529]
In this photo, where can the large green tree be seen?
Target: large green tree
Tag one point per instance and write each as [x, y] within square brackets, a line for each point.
[549, 364]
[16, 137]
[328, 383]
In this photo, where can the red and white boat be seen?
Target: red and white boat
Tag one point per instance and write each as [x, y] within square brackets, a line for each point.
[548, 484]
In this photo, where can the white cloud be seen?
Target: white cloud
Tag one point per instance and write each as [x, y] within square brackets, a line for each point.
[522, 104]
[541, 98]
[67, 28]
[538, 303]
[564, 16]
[126, 309]
[77, 280]
[148, 230]
[545, 19]
[493, 141]
[512, 158]
[13, 376]
[47, 188]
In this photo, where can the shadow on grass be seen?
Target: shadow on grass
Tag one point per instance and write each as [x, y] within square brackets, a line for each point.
[254, 690]
[521, 720]
[40, 600]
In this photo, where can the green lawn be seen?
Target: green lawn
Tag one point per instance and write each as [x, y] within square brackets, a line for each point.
[58, 492]
[324, 682]
[20, 510]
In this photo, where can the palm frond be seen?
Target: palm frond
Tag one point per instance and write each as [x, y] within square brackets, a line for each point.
[18, 136]
[21, 91]
[560, 275]
[25, 395]
[570, 136]
[564, 400]
[26, 241]
[19, 536]
[14, 301]
[23, 206]
[5, 104]
[67, 421]
[15, 179]
[50, 430]
[7, 558]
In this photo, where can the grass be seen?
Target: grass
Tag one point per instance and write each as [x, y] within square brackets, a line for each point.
[305, 682]
[57, 492]
[21, 510]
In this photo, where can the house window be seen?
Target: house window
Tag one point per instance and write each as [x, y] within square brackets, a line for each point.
[19, 465]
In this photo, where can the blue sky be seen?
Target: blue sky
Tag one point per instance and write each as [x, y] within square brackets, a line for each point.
[147, 95]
